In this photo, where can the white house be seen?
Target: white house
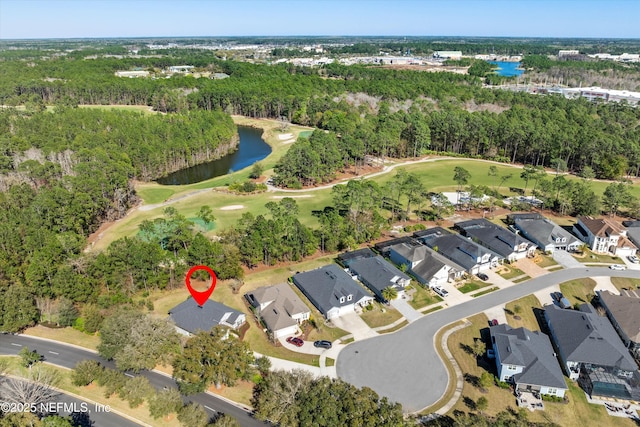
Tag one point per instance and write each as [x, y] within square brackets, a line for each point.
[604, 236]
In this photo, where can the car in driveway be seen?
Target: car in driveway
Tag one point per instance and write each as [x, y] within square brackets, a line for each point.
[440, 291]
[634, 259]
[617, 267]
[295, 341]
[562, 301]
[322, 344]
[494, 322]
[482, 276]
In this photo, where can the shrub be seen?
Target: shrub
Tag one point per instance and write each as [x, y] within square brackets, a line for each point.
[550, 398]
[86, 372]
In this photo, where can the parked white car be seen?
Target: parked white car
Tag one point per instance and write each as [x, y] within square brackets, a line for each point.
[634, 259]
[440, 291]
[617, 267]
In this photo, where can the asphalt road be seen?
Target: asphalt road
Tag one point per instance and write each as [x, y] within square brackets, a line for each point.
[405, 367]
[67, 356]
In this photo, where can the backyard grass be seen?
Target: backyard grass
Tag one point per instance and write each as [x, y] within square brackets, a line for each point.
[525, 313]
[66, 335]
[579, 290]
[380, 315]
[472, 285]
[423, 297]
[625, 283]
[95, 393]
[509, 272]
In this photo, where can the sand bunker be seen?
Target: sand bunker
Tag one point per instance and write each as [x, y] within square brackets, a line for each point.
[285, 136]
[232, 207]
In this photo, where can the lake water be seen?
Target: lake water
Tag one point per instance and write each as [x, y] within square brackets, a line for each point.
[507, 69]
[251, 149]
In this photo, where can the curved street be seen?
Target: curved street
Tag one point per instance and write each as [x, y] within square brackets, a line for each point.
[68, 356]
[405, 367]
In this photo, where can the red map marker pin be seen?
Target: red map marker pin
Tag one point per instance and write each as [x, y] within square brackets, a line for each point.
[201, 297]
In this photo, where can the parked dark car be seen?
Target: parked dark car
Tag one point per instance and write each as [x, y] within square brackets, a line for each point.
[295, 341]
[562, 301]
[494, 322]
[482, 276]
[322, 344]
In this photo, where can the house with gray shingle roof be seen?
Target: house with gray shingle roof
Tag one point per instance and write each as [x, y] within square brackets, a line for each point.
[332, 291]
[425, 264]
[463, 252]
[377, 274]
[527, 359]
[279, 308]
[592, 352]
[500, 240]
[624, 313]
[545, 233]
[189, 317]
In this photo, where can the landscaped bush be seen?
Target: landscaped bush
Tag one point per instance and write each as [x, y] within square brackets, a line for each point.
[501, 384]
[549, 398]
[86, 372]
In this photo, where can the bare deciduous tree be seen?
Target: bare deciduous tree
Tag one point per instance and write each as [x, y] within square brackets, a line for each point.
[35, 388]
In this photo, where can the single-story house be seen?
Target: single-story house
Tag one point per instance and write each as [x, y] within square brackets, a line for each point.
[331, 290]
[377, 274]
[624, 313]
[279, 308]
[385, 247]
[545, 233]
[467, 254]
[527, 360]
[592, 352]
[604, 236]
[189, 317]
[429, 267]
[500, 240]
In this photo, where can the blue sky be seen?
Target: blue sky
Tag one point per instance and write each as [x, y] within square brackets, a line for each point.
[145, 18]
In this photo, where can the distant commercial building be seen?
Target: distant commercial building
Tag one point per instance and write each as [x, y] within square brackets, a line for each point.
[181, 68]
[596, 93]
[448, 54]
[568, 53]
[132, 74]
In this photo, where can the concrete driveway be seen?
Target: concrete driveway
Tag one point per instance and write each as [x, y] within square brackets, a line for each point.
[409, 313]
[566, 260]
[307, 347]
[353, 323]
[544, 296]
[604, 284]
[405, 367]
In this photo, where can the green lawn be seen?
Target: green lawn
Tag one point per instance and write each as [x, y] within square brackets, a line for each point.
[486, 291]
[377, 317]
[544, 260]
[395, 328]
[590, 257]
[579, 290]
[625, 282]
[423, 297]
[525, 313]
[509, 271]
[472, 285]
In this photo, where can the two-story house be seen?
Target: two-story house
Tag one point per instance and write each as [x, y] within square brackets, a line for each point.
[546, 234]
[279, 308]
[604, 236]
[428, 266]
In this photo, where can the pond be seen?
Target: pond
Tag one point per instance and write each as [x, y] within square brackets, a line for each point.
[508, 69]
[251, 149]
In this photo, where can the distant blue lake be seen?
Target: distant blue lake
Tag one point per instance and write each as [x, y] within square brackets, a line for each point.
[507, 69]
